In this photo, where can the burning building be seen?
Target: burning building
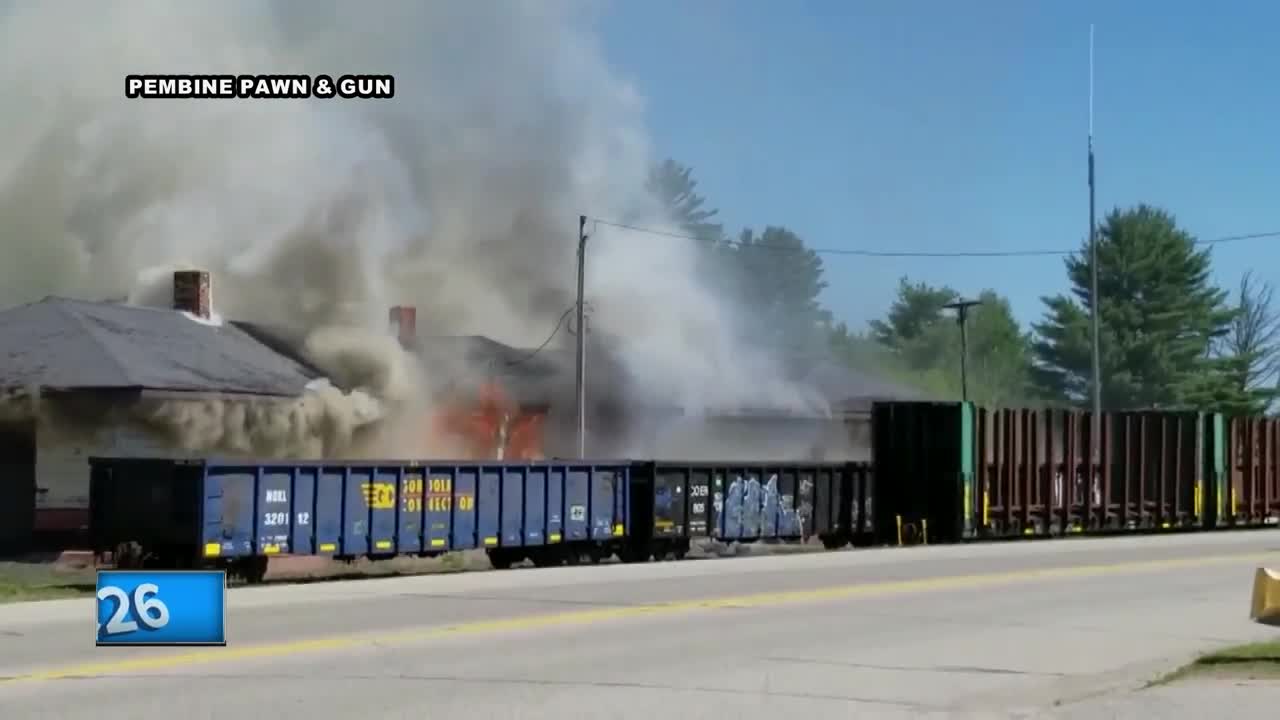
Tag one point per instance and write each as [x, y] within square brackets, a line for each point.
[105, 378]
[512, 403]
[79, 378]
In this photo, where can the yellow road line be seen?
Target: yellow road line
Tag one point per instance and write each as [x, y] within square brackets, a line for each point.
[585, 617]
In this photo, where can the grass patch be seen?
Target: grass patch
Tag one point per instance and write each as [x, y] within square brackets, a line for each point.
[1254, 661]
[20, 582]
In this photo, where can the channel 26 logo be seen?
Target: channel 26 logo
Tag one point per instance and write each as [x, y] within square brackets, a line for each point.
[162, 608]
[259, 87]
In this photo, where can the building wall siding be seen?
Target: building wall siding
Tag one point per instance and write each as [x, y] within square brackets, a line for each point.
[62, 470]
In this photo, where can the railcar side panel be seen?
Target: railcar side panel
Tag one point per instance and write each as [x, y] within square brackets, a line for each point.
[329, 507]
[577, 495]
[456, 493]
[606, 519]
[383, 511]
[302, 538]
[669, 506]
[489, 507]
[555, 505]
[272, 519]
[229, 512]
[535, 506]
[409, 533]
[358, 498]
[512, 507]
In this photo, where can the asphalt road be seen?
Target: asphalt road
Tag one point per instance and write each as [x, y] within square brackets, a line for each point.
[1041, 629]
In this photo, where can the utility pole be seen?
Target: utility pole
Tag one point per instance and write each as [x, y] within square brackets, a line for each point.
[581, 375]
[1096, 425]
[962, 314]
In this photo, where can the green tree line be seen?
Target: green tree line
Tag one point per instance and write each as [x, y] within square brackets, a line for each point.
[1170, 338]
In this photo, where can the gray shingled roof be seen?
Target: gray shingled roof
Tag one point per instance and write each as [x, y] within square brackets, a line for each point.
[66, 344]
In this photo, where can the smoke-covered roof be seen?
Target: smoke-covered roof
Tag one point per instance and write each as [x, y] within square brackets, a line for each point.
[532, 376]
[545, 376]
[850, 388]
[67, 344]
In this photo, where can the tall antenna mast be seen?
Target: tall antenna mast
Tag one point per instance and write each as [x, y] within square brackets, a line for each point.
[1093, 262]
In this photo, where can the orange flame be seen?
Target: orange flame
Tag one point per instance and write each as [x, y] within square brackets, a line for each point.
[491, 426]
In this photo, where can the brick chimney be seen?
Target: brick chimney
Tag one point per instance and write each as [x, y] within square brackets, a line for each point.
[404, 323]
[191, 293]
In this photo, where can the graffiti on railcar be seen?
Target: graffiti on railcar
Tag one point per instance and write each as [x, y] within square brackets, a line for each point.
[752, 518]
[717, 499]
[752, 509]
[804, 508]
[769, 513]
[733, 508]
[662, 497]
[788, 521]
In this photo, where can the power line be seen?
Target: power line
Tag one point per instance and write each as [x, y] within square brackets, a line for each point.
[554, 331]
[907, 254]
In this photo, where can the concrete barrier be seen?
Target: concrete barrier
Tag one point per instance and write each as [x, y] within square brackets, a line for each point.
[1265, 607]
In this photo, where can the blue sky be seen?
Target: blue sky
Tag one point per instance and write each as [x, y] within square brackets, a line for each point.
[949, 126]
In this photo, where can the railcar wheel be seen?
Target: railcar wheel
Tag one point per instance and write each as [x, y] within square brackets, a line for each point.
[546, 557]
[499, 560]
[833, 542]
[127, 556]
[256, 570]
[632, 555]
[681, 549]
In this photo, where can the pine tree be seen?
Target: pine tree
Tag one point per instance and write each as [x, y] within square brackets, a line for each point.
[1160, 316]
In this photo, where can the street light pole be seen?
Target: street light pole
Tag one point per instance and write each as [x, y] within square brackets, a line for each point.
[1095, 426]
[962, 314]
[580, 375]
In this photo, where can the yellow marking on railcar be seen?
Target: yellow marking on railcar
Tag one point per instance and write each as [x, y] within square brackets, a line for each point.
[437, 542]
[491, 541]
[212, 549]
[379, 496]
[270, 549]
[328, 547]
[555, 537]
[382, 545]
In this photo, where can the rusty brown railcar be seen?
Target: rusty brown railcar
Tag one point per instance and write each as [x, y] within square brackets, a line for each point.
[1040, 474]
[1253, 496]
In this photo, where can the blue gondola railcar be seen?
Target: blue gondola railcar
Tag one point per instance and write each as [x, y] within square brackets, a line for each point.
[237, 514]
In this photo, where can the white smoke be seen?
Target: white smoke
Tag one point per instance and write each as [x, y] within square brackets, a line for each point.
[460, 196]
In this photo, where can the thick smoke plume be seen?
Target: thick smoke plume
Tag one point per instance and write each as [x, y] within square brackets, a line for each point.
[461, 196]
[381, 383]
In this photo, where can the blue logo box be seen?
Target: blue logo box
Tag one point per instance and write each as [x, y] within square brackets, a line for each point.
[172, 607]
